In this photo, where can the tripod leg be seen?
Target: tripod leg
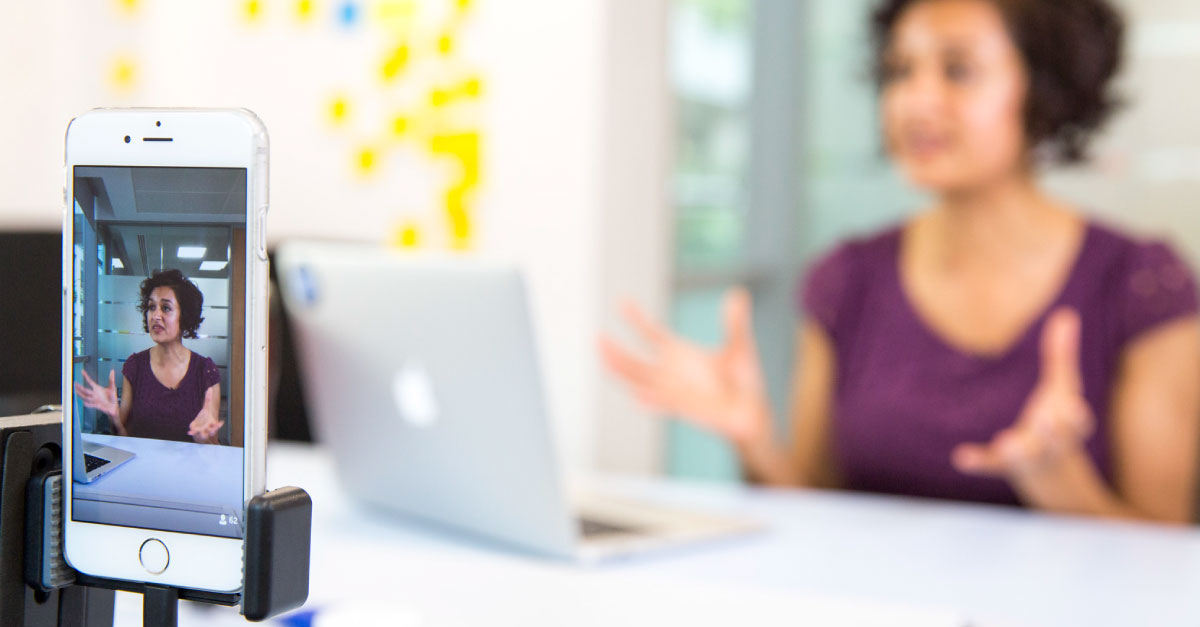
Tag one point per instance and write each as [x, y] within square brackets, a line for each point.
[160, 607]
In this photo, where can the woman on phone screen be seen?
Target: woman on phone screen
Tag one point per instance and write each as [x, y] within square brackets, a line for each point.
[167, 391]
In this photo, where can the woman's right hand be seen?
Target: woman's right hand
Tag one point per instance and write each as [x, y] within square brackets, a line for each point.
[103, 399]
[718, 389]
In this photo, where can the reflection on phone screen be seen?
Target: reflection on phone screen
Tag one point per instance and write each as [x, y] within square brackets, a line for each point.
[158, 362]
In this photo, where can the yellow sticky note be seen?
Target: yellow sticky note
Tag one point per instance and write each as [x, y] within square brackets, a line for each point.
[252, 10]
[129, 6]
[464, 147]
[365, 160]
[339, 110]
[400, 125]
[395, 63]
[304, 9]
[445, 44]
[459, 219]
[472, 87]
[123, 74]
[408, 236]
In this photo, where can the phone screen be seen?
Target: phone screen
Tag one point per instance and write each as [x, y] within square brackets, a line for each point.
[158, 320]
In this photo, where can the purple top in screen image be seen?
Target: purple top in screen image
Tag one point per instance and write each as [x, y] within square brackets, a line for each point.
[164, 413]
[905, 398]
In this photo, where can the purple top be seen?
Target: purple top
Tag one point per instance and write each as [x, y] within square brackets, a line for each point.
[160, 412]
[905, 398]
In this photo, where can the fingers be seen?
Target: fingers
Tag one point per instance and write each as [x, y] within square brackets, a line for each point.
[88, 396]
[112, 382]
[736, 310]
[1060, 419]
[1013, 452]
[204, 428]
[209, 430]
[977, 459]
[650, 330]
[624, 364]
[1056, 417]
[1060, 352]
[651, 400]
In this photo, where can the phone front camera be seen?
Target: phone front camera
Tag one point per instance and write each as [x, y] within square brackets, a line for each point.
[126, 139]
[158, 123]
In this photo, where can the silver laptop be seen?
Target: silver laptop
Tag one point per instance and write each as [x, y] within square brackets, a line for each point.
[93, 460]
[421, 376]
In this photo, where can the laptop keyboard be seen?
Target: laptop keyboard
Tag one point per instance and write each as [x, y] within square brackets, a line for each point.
[91, 462]
[592, 528]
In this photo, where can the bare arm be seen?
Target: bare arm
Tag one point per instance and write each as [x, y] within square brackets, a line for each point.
[1156, 422]
[809, 461]
[126, 405]
[812, 410]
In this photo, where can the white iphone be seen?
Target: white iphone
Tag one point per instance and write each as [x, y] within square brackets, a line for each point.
[164, 342]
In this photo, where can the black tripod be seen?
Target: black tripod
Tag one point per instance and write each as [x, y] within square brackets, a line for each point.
[38, 589]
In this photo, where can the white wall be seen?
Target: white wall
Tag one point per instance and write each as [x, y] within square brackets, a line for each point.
[574, 127]
[33, 113]
[1145, 172]
[636, 213]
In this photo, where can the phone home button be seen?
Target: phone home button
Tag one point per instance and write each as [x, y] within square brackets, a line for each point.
[154, 556]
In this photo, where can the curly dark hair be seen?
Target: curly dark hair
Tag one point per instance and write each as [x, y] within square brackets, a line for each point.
[1071, 50]
[191, 300]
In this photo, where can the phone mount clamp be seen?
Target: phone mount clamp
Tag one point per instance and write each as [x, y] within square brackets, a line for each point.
[38, 588]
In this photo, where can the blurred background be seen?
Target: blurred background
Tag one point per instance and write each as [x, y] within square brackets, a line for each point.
[659, 150]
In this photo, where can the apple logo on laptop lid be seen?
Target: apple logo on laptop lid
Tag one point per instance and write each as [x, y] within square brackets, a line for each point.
[412, 389]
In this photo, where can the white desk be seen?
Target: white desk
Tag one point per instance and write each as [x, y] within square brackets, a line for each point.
[182, 485]
[827, 559]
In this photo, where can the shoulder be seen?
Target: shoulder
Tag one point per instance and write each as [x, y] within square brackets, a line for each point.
[1124, 250]
[1147, 281]
[872, 248]
[842, 273]
[855, 255]
[134, 364]
[209, 374]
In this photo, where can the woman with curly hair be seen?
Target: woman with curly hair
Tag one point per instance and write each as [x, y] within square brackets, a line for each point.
[998, 347]
[167, 392]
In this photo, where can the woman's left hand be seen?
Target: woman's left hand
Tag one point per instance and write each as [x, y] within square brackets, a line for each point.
[203, 428]
[1054, 423]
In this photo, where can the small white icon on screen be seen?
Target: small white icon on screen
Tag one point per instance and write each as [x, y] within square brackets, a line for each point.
[223, 521]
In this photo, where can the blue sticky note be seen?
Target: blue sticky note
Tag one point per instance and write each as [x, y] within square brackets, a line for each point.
[303, 618]
[348, 13]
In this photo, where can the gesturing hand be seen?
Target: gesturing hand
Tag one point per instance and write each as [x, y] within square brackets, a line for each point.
[203, 428]
[1056, 418]
[721, 390]
[103, 399]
